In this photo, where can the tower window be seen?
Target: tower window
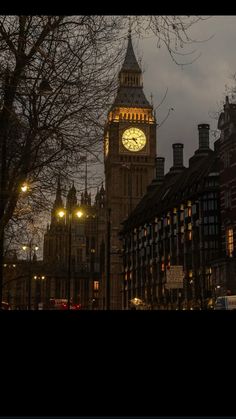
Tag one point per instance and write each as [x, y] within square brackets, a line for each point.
[230, 241]
[96, 285]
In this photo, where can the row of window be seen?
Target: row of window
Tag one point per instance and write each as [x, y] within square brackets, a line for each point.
[133, 116]
[211, 244]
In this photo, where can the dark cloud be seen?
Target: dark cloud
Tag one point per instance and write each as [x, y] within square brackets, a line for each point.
[194, 90]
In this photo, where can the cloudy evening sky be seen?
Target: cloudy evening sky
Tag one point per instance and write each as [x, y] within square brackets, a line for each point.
[194, 90]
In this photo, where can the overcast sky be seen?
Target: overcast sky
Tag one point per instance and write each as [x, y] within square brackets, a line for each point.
[194, 90]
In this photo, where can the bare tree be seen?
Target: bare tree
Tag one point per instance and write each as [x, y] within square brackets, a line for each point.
[56, 80]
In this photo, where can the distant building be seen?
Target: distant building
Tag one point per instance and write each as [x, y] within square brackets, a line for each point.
[24, 282]
[87, 249]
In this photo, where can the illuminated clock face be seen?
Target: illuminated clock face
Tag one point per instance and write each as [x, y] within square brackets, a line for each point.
[134, 139]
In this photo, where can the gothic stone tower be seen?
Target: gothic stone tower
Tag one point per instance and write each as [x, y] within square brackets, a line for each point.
[129, 153]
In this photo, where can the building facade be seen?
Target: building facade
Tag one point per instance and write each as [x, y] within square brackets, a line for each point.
[83, 253]
[129, 156]
[224, 268]
[176, 225]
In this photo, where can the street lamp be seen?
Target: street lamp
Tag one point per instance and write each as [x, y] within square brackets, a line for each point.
[23, 188]
[79, 214]
[6, 113]
[38, 279]
[30, 247]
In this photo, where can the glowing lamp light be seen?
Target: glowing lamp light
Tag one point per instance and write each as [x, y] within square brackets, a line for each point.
[43, 277]
[24, 247]
[36, 248]
[61, 213]
[79, 214]
[24, 187]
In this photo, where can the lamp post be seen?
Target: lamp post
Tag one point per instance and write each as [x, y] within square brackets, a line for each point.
[38, 280]
[61, 214]
[30, 247]
[10, 85]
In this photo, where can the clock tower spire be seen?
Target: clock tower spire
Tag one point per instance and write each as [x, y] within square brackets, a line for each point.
[129, 154]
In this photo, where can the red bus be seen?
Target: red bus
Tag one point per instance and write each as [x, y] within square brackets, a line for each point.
[62, 304]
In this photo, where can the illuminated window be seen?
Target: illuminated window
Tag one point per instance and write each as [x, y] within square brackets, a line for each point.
[230, 241]
[95, 285]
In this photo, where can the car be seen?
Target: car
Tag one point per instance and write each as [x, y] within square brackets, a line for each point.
[5, 306]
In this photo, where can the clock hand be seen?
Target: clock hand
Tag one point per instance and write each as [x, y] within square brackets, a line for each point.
[134, 140]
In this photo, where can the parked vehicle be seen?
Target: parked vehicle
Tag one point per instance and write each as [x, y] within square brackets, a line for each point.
[5, 306]
[227, 302]
[61, 304]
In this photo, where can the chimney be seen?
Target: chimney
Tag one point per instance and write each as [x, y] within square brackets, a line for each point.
[160, 168]
[203, 130]
[159, 178]
[178, 155]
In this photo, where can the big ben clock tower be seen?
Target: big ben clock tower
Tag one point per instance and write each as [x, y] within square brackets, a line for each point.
[129, 154]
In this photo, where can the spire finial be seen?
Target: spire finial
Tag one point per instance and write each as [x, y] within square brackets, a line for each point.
[130, 27]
